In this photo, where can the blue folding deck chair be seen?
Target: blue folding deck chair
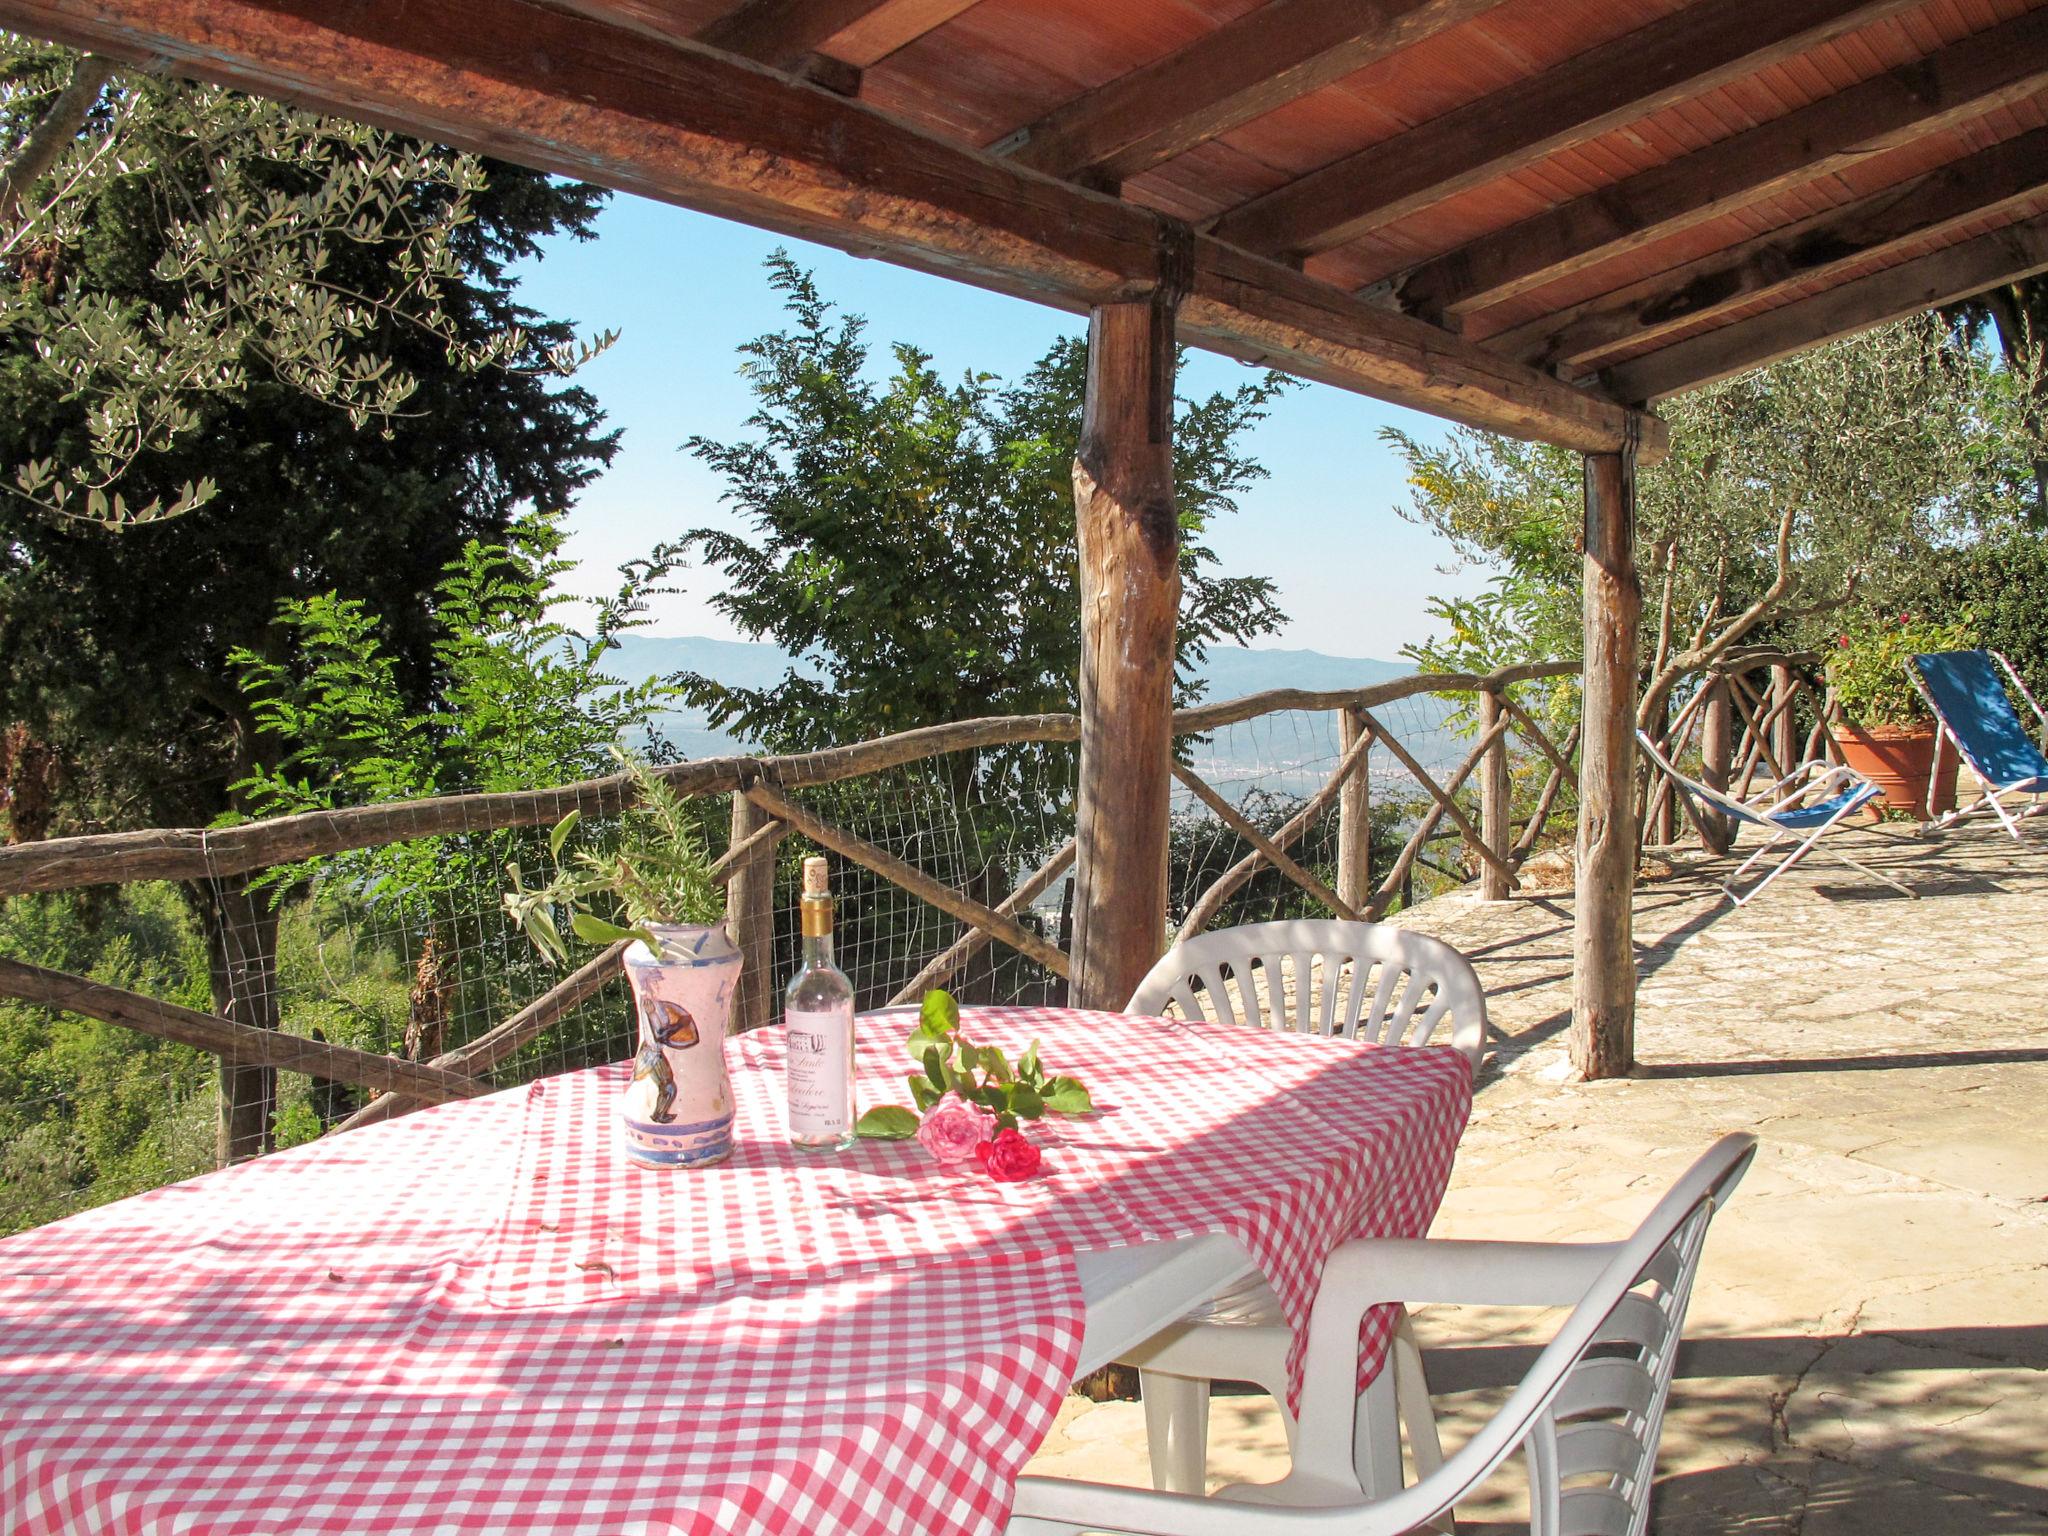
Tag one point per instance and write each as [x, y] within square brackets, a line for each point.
[1976, 714]
[1785, 808]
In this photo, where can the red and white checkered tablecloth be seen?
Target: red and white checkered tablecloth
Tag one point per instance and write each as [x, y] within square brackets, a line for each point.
[482, 1318]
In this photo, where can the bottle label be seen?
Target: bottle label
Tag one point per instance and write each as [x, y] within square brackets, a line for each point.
[820, 1070]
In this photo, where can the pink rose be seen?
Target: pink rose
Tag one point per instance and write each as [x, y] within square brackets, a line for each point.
[1009, 1157]
[952, 1128]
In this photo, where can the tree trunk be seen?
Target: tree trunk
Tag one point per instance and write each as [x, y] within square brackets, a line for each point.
[240, 922]
[1129, 538]
[1603, 949]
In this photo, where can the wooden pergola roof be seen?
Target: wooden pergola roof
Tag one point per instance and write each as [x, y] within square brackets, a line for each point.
[1532, 215]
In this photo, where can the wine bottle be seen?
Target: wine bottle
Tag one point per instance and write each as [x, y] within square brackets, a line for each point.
[818, 1013]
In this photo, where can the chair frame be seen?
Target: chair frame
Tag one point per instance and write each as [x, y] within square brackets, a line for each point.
[1994, 794]
[1773, 800]
[1543, 1415]
[1176, 1366]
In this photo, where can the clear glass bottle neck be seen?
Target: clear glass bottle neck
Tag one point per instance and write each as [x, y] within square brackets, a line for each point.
[817, 951]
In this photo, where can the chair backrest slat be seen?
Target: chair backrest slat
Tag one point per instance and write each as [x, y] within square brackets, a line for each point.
[1365, 981]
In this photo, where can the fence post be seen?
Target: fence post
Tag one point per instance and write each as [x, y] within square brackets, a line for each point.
[1717, 760]
[1494, 826]
[1784, 735]
[750, 916]
[1663, 828]
[1354, 817]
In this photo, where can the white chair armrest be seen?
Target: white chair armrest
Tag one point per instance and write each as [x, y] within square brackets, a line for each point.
[1064, 1504]
[1370, 1271]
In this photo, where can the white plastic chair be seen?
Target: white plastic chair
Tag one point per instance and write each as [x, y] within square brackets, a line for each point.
[1589, 1414]
[1359, 980]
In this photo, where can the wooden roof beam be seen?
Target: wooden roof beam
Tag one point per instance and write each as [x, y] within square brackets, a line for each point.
[690, 126]
[1690, 51]
[779, 33]
[1989, 181]
[2003, 256]
[1242, 70]
[1963, 80]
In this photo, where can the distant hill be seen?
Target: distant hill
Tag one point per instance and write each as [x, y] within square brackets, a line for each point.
[1288, 752]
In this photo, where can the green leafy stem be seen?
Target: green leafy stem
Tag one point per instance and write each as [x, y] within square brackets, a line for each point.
[981, 1074]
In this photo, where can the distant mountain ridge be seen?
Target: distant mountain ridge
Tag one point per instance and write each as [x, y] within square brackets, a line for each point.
[1229, 670]
[1281, 752]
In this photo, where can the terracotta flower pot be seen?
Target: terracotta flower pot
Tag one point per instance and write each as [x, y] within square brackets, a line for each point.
[1899, 759]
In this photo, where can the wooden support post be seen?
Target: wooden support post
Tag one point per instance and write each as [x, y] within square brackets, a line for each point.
[1129, 538]
[1603, 948]
[1717, 759]
[1784, 730]
[750, 917]
[1493, 799]
[1354, 818]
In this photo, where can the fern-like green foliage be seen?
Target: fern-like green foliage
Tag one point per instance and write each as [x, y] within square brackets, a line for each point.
[654, 869]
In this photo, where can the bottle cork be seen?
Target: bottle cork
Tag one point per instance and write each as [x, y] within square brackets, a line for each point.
[817, 877]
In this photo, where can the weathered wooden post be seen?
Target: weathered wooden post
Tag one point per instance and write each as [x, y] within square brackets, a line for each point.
[750, 917]
[1663, 829]
[241, 940]
[1784, 729]
[1603, 949]
[1129, 539]
[1494, 827]
[1717, 759]
[1354, 817]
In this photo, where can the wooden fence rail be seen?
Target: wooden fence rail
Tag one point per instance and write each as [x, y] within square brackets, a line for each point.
[764, 811]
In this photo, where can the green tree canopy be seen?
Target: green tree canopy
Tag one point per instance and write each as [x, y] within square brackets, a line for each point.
[320, 326]
[1787, 489]
[914, 540]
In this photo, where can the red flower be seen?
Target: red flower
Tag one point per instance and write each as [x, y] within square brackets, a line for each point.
[1843, 642]
[1009, 1157]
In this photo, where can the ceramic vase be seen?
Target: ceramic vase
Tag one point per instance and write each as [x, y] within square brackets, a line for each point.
[677, 1110]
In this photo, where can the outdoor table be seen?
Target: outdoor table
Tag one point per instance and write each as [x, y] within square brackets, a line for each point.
[481, 1317]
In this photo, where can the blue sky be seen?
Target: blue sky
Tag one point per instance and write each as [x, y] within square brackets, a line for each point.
[686, 290]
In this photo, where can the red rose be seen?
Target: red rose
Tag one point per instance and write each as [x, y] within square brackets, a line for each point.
[1009, 1157]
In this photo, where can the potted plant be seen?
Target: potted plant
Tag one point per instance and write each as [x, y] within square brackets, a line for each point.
[1886, 731]
[654, 880]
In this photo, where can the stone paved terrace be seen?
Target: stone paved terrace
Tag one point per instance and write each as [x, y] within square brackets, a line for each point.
[1869, 1343]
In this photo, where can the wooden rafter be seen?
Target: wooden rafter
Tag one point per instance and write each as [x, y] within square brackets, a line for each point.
[1988, 181]
[780, 32]
[1244, 69]
[892, 25]
[1685, 53]
[688, 125]
[1963, 80]
[2005, 255]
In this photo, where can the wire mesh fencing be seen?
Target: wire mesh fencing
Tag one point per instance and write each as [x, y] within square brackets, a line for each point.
[404, 952]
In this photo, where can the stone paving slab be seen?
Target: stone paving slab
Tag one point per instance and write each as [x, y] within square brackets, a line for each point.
[1869, 1342]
